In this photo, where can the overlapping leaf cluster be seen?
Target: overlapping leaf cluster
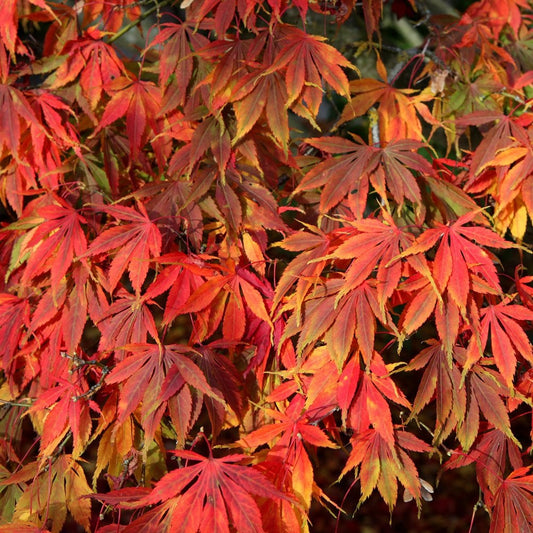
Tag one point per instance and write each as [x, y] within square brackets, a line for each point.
[181, 270]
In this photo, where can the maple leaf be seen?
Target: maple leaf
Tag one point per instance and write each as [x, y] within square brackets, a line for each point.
[350, 174]
[113, 13]
[235, 292]
[506, 335]
[212, 134]
[65, 484]
[54, 113]
[116, 447]
[224, 377]
[291, 474]
[486, 393]
[372, 10]
[319, 315]
[152, 374]
[95, 61]
[365, 396]
[16, 115]
[448, 321]
[319, 375]
[210, 494]
[127, 320]
[499, 137]
[305, 268]
[14, 312]
[46, 311]
[512, 512]
[19, 178]
[139, 101]
[228, 56]
[8, 29]
[262, 341]
[441, 380]
[517, 162]
[225, 11]
[257, 92]
[470, 261]
[293, 425]
[135, 243]
[169, 204]
[399, 160]
[74, 312]
[183, 276]
[308, 59]
[383, 464]
[524, 290]
[176, 59]
[493, 452]
[511, 186]
[54, 243]
[451, 200]
[65, 409]
[398, 109]
[374, 243]
[341, 10]
[338, 316]
[341, 175]
[420, 306]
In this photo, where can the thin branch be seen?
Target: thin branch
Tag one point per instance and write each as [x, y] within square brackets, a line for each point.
[80, 363]
[142, 17]
[15, 404]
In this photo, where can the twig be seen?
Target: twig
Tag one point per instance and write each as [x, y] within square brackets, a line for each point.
[15, 404]
[79, 363]
[135, 23]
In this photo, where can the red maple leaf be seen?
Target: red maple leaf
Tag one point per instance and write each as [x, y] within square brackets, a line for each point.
[388, 169]
[152, 374]
[54, 243]
[134, 243]
[507, 337]
[127, 320]
[309, 59]
[140, 103]
[460, 264]
[208, 495]
[441, 380]
[237, 292]
[14, 313]
[293, 425]
[65, 409]
[95, 61]
[383, 464]
[366, 396]
[512, 511]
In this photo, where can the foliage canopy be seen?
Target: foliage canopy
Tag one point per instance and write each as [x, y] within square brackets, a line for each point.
[244, 247]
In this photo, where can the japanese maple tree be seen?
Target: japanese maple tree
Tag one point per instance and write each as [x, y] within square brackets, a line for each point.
[244, 241]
